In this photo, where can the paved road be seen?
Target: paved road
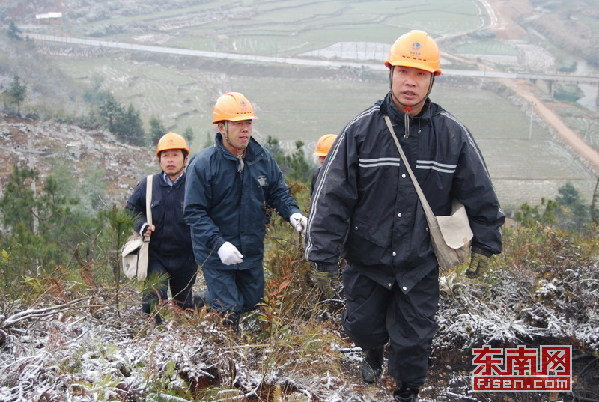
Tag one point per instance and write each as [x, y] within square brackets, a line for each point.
[299, 61]
[509, 79]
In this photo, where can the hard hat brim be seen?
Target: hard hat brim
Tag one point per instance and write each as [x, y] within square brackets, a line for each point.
[237, 118]
[414, 64]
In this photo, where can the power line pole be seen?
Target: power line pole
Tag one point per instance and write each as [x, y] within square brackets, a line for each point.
[530, 124]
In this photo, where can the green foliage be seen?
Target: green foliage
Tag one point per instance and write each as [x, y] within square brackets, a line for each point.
[573, 213]
[531, 215]
[37, 227]
[568, 211]
[157, 130]
[129, 127]
[119, 222]
[44, 227]
[274, 147]
[18, 203]
[93, 189]
[13, 31]
[16, 92]
[208, 140]
[188, 135]
[109, 110]
[294, 166]
[125, 123]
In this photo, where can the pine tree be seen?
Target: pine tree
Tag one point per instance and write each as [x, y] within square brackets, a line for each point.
[294, 166]
[18, 201]
[110, 111]
[573, 213]
[130, 127]
[274, 147]
[13, 31]
[300, 169]
[16, 92]
[157, 130]
[188, 135]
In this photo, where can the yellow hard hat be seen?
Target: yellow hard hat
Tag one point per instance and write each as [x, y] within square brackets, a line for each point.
[232, 106]
[323, 144]
[415, 49]
[171, 141]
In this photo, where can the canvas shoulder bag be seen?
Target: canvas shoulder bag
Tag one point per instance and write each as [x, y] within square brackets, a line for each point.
[450, 235]
[135, 251]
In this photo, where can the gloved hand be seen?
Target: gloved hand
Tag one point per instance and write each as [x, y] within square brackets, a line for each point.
[229, 254]
[326, 283]
[298, 221]
[478, 263]
[147, 229]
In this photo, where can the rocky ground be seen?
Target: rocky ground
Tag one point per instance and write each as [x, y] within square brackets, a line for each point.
[48, 144]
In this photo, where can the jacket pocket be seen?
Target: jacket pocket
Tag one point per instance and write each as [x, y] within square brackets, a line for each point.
[378, 234]
[365, 249]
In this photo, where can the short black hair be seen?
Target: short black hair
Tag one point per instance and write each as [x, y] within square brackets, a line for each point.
[185, 153]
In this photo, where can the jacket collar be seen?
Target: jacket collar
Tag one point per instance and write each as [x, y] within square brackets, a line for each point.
[168, 181]
[426, 114]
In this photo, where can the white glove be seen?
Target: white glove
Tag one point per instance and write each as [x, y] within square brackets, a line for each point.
[298, 221]
[229, 254]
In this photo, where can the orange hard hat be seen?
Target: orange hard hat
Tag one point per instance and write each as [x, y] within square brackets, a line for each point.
[323, 144]
[415, 49]
[232, 106]
[171, 141]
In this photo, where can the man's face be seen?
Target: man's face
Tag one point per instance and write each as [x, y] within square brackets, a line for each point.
[237, 134]
[410, 86]
[172, 161]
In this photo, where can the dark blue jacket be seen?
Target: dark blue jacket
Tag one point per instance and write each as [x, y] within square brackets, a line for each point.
[172, 235]
[365, 207]
[227, 202]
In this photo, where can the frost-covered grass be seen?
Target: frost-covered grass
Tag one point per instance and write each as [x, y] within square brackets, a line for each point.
[542, 291]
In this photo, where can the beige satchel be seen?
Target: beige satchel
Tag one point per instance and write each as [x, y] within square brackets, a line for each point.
[135, 251]
[450, 235]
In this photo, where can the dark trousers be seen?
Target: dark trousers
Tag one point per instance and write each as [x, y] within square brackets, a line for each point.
[177, 272]
[234, 290]
[376, 315]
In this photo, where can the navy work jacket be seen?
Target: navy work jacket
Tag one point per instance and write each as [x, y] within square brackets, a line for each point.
[226, 200]
[365, 207]
[172, 235]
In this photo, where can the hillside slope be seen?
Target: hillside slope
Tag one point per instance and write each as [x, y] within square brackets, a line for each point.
[47, 145]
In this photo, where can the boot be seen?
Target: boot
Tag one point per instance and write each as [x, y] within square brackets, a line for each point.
[406, 393]
[372, 365]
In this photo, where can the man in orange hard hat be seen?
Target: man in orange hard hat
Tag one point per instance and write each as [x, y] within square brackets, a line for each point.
[229, 188]
[170, 253]
[323, 145]
[365, 209]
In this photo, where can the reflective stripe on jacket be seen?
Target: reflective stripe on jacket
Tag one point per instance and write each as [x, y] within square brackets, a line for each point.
[365, 207]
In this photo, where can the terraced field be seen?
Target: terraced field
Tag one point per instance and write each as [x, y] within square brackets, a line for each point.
[283, 28]
[304, 103]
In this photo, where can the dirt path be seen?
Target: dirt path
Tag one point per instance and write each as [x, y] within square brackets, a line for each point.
[501, 13]
[566, 134]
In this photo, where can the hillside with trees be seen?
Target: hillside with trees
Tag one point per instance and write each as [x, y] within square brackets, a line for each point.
[70, 325]
[71, 329]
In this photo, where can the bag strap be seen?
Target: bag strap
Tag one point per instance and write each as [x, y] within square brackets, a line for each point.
[149, 185]
[430, 216]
